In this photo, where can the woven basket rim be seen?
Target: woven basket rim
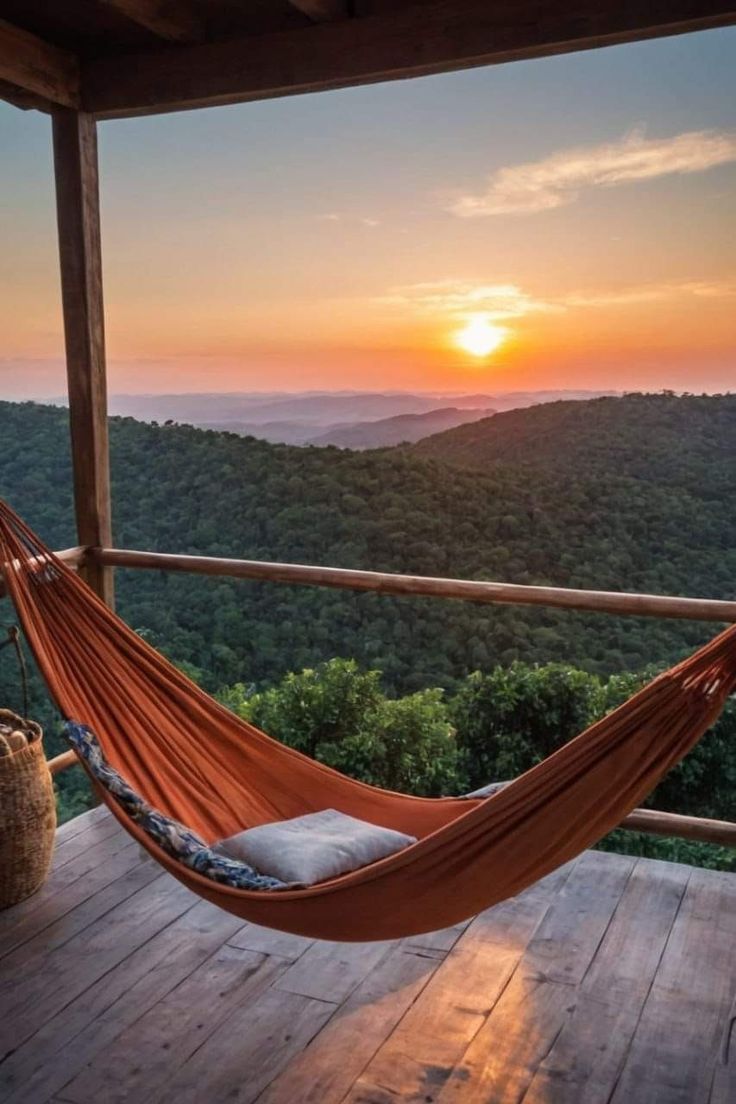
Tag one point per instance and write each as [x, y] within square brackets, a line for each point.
[31, 729]
[26, 754]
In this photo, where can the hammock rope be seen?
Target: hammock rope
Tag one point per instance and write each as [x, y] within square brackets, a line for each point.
[197, 762]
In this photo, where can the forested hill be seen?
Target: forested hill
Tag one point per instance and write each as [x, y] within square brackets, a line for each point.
[686, 442]
[576, 523]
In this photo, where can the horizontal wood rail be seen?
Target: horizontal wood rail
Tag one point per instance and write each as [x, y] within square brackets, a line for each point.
[598, 601]
[62, 762]
[72, 557]
[701, 829]
[650, 821]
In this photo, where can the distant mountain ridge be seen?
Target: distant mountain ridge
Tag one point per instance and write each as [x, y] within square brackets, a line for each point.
[310, 417]
[399, 429]
[688, 441]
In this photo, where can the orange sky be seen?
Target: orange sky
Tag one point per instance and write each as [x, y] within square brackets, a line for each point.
[582, 207]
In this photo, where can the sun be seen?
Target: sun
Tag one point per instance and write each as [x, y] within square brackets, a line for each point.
[479, 337]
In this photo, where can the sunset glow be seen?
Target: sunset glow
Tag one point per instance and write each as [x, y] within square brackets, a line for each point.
[479, 337]
[404, 235]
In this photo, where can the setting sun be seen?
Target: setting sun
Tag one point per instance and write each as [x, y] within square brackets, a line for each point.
[480, 337]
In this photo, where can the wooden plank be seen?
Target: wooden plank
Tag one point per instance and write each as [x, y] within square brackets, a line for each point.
[66, 888]
[723, 1089]
[437, 943]
[434, 1034]
[196, 1009]
[257, 1042]
[78, 219]
[598, 1024]
[79, 824]
[322, 11]
[677, 1046]
[36, 986]
[326, 1070]
[37, 67]
[252, 937]
[521, 1027]
[432, 37]
[72, 891]
[176, 22]
[90, 1023]
[510, 923]
[330, 971]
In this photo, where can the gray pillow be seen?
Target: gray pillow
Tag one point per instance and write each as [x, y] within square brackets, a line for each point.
[487, 791]
[313, 848]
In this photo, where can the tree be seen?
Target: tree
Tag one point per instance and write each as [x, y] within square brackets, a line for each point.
[511, 718]
[338, 714]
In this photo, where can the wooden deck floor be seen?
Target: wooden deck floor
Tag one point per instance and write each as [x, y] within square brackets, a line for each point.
[611, 982]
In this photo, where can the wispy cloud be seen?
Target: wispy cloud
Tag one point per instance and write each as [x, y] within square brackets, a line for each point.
[558, 180]
[337, 216]
[651, 293]
[461, 298]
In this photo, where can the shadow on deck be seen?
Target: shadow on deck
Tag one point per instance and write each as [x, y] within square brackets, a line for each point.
[610, 982]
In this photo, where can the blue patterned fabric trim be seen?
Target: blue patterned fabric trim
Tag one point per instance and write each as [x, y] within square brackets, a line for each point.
[175, 839]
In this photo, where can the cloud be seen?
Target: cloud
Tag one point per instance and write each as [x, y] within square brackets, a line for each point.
[460, 298]
[651, 293]
[336, 216]
[557, 180]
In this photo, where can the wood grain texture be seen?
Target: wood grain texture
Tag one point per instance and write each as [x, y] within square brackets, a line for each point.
[80, 257]
[71, 1040]
[431, 1039]
[38, 68]
[173, 20]
[270, 1031]
[468, 590]
[200, 1006]
[355, 1032]
[432, 37]
[612, 979]
[322, 11]
[330, 971]
[592, 1036]
[677, 1047]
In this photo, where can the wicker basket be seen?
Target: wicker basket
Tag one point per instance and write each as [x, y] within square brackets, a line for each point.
[27, 814]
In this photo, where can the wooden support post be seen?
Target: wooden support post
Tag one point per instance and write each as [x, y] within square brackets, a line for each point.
[78, 217]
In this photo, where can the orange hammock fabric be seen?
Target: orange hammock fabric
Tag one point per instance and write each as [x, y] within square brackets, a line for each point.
[197, 762]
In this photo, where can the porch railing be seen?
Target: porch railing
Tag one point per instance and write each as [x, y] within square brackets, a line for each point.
[608, 602]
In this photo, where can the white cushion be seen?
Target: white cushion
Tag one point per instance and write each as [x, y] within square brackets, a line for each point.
[313, 848]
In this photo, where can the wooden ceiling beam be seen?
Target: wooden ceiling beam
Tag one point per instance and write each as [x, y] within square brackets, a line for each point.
[174, 20]
[323, 11]
[37, 68]
[436, 36]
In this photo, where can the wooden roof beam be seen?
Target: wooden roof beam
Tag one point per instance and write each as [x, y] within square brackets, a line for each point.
[323, 11]
[174, 21]
[434, 37]
[37, 68]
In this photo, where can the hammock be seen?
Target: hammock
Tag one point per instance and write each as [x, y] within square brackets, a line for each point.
[197, 762]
